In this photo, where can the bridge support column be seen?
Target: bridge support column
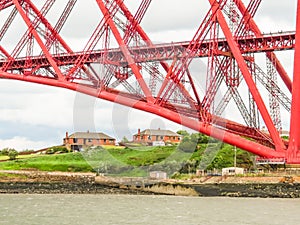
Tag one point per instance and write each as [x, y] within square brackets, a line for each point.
[293, 152]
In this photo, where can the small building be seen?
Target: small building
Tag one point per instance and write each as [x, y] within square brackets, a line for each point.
[269, 161]
[151, 136]
[231, 171]
[79, 140]
[158, 143]
[158, 175]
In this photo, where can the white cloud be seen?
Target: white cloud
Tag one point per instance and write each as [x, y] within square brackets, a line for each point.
[35, 104]
[174, 15]
[22, 143]
[268, 25]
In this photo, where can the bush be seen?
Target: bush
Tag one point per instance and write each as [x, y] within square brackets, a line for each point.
[57, 149]
[124, 140]
[4, 151]
[187, 146]
[183, 133]
[12, 154]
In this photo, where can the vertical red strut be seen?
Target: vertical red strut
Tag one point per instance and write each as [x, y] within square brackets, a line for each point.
[293, 153]
[125, 51]
[38, 39]
[270, 55]
[248, 78]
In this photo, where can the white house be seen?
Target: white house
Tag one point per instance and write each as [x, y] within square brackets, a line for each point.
[158, 175]
[229, 171]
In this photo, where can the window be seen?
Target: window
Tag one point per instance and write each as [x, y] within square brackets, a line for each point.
[149, 137]
[161, 137]
[75, 140]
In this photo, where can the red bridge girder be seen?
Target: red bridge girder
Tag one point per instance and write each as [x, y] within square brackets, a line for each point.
[5, 4]
[160, 52]
[171, 92]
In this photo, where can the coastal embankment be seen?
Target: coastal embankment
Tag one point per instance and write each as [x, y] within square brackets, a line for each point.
[88, 183]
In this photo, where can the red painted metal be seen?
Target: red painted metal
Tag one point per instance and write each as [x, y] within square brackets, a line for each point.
[252, 25]
[5, 4]
[118, 97]
[273, 101]
[8, 23]
[136, 28]
[161, 52]
[125, 51]
[33, 32]
[158, 78]
[248, 78]
[293, 152]
[19, 47]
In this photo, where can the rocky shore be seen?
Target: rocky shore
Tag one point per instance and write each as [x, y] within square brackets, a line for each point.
[62, 188]
[88, 183]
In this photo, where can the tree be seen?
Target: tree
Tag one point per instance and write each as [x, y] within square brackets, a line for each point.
[55, 149]
[12, 154]
[4, 151]
[195, 137]
[183, 133]
[124, 140]
[187, 145]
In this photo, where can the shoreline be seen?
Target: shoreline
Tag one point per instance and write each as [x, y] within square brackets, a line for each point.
[37, 182]
[202, 190]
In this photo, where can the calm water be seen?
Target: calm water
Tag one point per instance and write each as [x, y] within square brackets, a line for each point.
[127, 209]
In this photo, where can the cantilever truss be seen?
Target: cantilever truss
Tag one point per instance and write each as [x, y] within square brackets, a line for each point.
[120, 63]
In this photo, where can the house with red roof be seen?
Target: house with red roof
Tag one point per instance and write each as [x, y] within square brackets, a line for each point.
[151, 136]
[79, 140]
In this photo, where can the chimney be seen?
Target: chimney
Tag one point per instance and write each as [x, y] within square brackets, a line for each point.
[139, 132]
[67, 135]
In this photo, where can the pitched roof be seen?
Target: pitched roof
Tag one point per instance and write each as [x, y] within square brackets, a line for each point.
[158, 132]
[91, 135]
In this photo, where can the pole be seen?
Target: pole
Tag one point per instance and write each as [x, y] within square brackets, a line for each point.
[234, 160]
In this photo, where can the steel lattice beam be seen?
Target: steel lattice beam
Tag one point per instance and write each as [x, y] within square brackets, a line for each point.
[160, 52]
[172, 90]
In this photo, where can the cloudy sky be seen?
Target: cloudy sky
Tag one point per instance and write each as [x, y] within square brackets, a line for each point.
[34, 116]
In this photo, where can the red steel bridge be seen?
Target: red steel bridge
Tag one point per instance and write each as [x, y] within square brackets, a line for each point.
[120, 63]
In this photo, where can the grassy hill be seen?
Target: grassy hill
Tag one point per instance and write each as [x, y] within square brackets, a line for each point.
[58, 162]
[136, 161]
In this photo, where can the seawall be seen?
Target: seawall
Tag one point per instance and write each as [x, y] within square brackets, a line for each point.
[88, 183]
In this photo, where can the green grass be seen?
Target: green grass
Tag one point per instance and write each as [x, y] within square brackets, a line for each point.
[142, 156]
[9, 176]
[118, 160]
[136, 161]
[133, 161]
[28, 156]
[4, 157]
[64, 162]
